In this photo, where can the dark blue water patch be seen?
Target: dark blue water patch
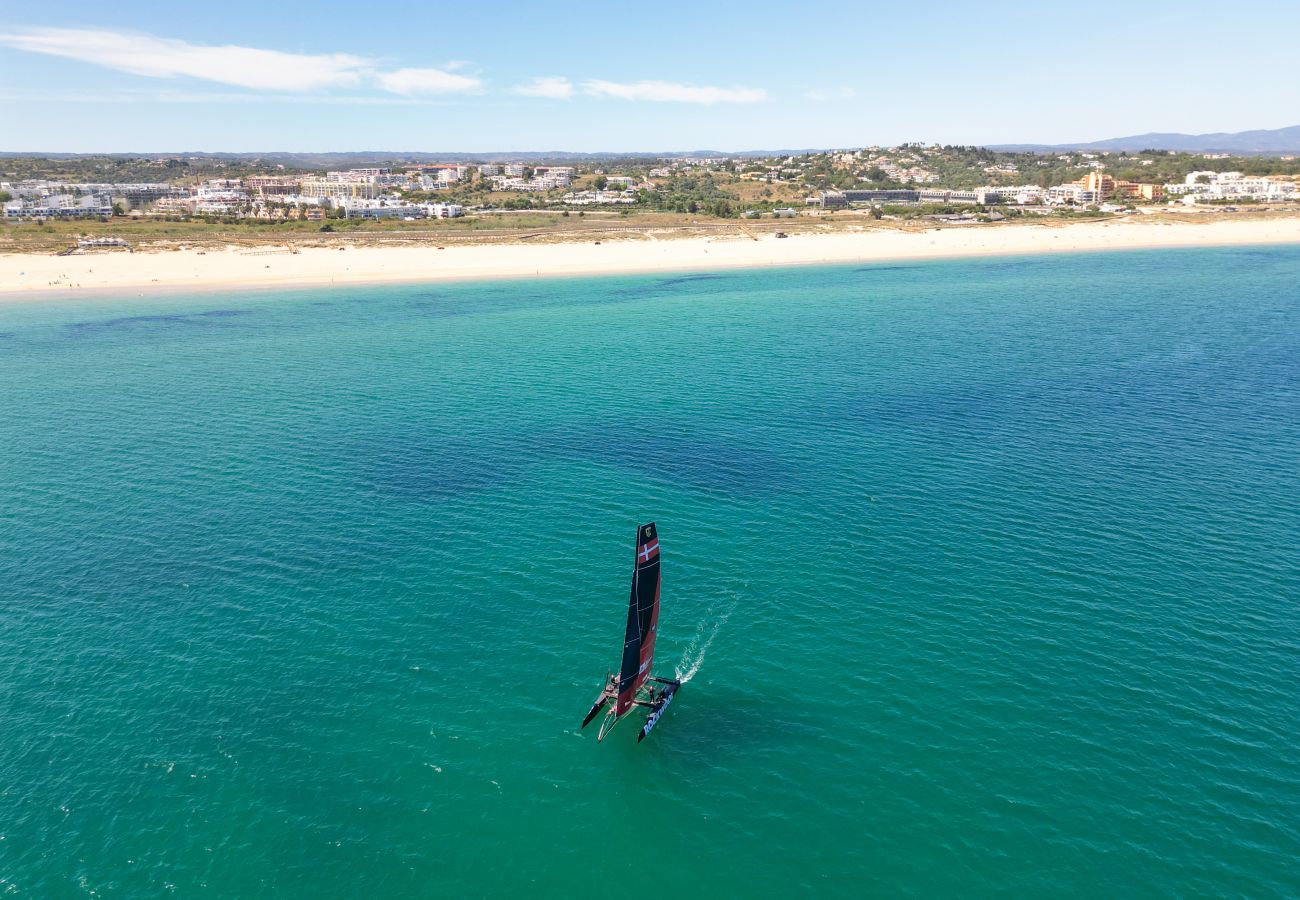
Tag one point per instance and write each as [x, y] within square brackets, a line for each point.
[741, 722]
[1009, 264]
[481, 301]
[478, 300]
[688, 279]
[435, 306]
[224, 313]
[124, 322]
[437, 468]
[153, 322]
[871, 270]
[1238, 259]
[664, 285]
[5, 335]
[712, 462]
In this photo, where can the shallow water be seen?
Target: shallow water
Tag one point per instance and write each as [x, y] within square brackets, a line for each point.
[988, 572]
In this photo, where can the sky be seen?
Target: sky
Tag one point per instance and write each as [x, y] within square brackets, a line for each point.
[243, 76]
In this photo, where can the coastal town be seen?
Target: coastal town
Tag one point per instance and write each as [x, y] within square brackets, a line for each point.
[949, 183]
[281, 218]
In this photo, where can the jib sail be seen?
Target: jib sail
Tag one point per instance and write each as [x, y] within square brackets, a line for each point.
[642, 618]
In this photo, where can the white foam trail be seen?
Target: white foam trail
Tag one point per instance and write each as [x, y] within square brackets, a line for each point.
[693, 656]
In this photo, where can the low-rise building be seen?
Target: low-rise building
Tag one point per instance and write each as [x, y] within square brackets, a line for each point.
[397, 209]
[443, 210]
[272, 185]
[340, 189]
[60, 206]
[1212, 186]
[860, 197]
[593, 198]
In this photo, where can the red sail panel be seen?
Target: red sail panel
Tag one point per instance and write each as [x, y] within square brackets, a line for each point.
[642, 619]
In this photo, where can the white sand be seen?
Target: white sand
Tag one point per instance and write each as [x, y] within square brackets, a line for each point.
[24, 275]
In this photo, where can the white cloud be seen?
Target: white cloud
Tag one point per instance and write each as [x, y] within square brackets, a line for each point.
[155, 57]
[669, 92]
[827, 95]
[246, 67]
[554, 87]
[167, 95]
[410, 82]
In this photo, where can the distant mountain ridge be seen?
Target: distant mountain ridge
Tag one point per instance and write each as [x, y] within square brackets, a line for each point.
[1246, 143]
[1260, 142]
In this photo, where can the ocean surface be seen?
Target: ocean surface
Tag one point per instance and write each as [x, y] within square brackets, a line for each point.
[986, 576]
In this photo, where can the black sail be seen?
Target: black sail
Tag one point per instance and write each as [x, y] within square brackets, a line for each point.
[642, 618]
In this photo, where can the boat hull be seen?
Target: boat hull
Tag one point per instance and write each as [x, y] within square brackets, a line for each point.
[653, 719]
[596, 708]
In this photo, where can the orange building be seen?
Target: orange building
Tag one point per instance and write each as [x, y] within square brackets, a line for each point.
[1103, 187]
[1101, 184]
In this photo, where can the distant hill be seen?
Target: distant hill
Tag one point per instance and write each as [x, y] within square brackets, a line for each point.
[1244, 143]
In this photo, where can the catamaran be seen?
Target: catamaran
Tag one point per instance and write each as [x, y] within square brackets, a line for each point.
[635, 683]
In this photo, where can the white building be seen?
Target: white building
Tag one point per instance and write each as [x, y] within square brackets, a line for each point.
[215, 208]
[443, 210]
[593, 198]
[1232, 186]
[60, 206]
[444, 174]
[369, 176]
[340, 190]
[211, 194]
[396, 209]
[1070, 193]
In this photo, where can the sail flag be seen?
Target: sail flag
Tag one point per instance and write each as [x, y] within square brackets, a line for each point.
[642, 619]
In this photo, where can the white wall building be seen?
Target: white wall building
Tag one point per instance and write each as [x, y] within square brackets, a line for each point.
[60, 206]
[1232, 186]
[594, 198]
[443, 210]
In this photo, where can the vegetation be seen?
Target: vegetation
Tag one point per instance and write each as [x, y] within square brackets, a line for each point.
[692, 192]
[82, 169]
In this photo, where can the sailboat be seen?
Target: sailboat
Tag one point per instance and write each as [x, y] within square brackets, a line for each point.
[635, 684]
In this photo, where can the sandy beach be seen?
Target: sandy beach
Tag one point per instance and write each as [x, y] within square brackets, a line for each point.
[25, 275]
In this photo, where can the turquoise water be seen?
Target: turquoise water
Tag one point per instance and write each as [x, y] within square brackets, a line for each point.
[987, 572]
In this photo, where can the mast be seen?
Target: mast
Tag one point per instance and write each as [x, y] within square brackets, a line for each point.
[642, 619]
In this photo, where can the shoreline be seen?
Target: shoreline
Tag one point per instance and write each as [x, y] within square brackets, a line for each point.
[29, 276]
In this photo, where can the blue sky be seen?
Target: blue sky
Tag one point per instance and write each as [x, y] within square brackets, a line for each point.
[242, 76]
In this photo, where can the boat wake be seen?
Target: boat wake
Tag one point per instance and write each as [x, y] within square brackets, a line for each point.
[693, 657]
